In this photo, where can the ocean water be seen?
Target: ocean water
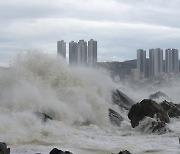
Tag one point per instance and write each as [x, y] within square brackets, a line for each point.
[78, 100]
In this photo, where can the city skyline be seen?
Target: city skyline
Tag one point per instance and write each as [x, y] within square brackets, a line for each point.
[121, 27]
[79, 53]
[157, 64]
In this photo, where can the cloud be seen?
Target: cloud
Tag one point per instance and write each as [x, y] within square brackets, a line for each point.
[119, 26]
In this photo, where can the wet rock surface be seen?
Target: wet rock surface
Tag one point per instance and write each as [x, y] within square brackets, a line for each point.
[115, 118]
[172, 109]
[57, 151]
[4, 149]
[43, 116]
[157, 95]
[149, 108]
[150, 125]
[122, 100]
[123, 152]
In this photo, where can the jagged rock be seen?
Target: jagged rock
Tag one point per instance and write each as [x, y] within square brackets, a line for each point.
[124, 152]
[172, 109]
[149, 108]
[122, 100]
[159, 127]
[4, 149]
[44, 117]
[151, 125]
[158, 95]
[115, 118]
[57, 151]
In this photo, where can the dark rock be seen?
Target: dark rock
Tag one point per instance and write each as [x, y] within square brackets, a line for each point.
[158, 95]
[115, 118]
[151, 125]
[159, 127]
[122, 100]
[124, 152]
[57, 151]
[44, 117]
[149, 108]
[172, 109]
[4, 149]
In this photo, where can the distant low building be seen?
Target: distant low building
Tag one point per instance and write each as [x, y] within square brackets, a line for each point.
[135, 74]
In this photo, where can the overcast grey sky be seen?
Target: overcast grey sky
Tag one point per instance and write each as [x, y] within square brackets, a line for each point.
[119, 26]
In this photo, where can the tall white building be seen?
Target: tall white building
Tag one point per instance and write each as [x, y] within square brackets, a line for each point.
[155, 61]
[82, 52]
[92, 52]
[141, 62]
[61, 48]
[73, 53]
[171, 61]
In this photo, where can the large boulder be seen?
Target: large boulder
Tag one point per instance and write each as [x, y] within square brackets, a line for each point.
[121, 99]
[4, 149]
[115, 118]
[149, 108]
[57, 151]
[172, 109]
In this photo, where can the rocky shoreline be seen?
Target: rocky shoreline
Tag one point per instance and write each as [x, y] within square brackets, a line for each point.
[153, 115]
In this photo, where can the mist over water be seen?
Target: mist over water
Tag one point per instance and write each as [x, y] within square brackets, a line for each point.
[78, 99]
[71, 96]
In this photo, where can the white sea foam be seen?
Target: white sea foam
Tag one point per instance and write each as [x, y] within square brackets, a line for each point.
[71, 96]
[78, 99]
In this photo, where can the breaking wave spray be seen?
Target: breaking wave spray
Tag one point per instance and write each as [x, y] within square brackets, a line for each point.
[72, 96]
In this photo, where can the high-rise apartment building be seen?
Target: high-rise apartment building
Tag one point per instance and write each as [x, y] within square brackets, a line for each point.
[82, 52]
[155, 61]
[92, 52]
[175, 61]
[141, 62]
[61, 48]
[171, 61]
[73, 53]
[151, 62]
[168, 61]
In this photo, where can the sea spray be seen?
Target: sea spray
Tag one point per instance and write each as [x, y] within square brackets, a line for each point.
[71, 96]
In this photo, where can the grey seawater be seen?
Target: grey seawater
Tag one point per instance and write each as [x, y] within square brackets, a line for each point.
[95, 140]
[78, 100]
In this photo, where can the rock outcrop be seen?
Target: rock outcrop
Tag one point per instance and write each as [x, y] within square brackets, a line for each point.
[57, 151]
[123, 152]
[172, 109]
[149, 108]
[121, 99]
[150, 125]
[4, 149]
[44, 117]
[157, 95]
[115, 118]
